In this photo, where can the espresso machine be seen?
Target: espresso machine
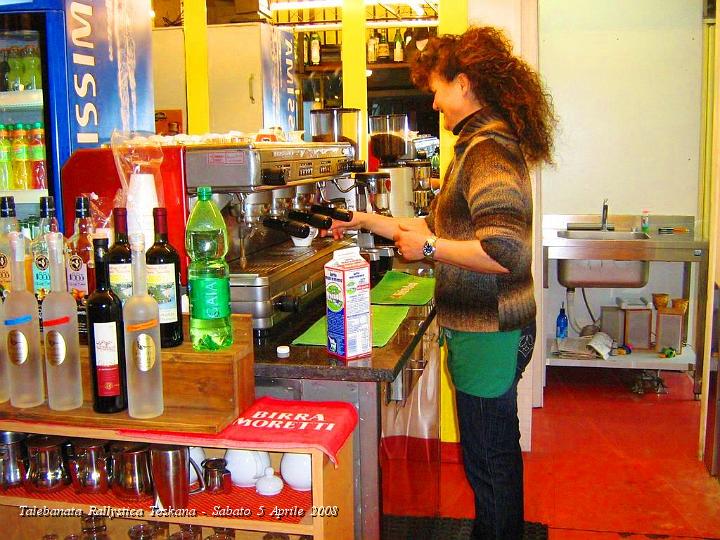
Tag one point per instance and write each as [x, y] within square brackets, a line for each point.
[268, 192]
[390, 143]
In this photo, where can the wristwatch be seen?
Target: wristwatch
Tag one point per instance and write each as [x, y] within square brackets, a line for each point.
[429, 247]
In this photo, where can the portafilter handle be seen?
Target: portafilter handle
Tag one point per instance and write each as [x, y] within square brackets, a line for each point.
[293, 228]
[339, 214]
[314, 220]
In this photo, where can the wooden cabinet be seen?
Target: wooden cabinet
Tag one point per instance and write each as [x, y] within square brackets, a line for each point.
[325, 512]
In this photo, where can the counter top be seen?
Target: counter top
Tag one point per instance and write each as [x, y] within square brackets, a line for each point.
[313, 362]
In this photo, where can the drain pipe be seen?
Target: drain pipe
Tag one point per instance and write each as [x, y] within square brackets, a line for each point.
[570, 303]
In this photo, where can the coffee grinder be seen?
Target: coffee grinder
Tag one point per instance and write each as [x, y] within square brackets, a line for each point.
[389, 141]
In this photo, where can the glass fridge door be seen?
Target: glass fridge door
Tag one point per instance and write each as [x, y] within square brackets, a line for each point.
[24, 169]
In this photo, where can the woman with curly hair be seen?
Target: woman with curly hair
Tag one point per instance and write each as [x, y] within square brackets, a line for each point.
[479, 234]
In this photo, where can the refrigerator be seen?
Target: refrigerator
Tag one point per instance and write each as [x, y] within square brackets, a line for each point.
[96, 74]
[251, 76]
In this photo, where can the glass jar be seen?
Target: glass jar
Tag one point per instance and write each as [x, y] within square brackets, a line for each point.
[93, 528]
[142, 531]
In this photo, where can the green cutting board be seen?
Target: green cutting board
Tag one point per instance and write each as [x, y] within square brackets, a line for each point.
[399, 288]
[385, 322]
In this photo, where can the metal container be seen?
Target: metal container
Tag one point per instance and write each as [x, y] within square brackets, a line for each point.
[46, 469]
[12, 454]
[89, 467]
[131, 479]
[171, 472]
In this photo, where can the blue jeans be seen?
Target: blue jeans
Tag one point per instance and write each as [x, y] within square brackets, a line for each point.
[490, 442]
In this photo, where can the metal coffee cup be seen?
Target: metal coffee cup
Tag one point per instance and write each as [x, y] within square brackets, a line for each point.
[130, 476]
[217, 478]
[12, 454]
[171, 472]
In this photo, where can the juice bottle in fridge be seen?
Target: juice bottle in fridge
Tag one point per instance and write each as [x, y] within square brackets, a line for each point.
[22, 177]
[32, 74]
[5, 159]
[36, 153]
[15, 73]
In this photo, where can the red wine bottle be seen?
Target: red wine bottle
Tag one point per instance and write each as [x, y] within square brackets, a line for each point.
[105, 338]
[119, 258]
[163, 281]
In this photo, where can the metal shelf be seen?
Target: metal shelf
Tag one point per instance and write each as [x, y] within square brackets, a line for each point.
[635, 360]
[26, 99]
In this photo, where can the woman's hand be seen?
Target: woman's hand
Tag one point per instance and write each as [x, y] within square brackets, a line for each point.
[338, 228]
[409, 242]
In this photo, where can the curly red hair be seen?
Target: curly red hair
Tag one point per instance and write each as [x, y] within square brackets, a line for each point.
[498, 78]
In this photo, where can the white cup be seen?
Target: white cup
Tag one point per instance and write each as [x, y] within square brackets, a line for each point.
[304, 242]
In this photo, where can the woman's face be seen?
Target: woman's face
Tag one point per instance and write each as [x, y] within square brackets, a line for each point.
[452, 98]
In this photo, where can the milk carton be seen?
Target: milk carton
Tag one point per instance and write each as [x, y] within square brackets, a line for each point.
[347, 289]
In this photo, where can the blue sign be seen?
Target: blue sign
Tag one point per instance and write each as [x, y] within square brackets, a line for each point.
[279, 81]
[109, 69]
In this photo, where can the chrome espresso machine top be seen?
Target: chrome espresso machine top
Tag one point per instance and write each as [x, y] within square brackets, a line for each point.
[268, 192]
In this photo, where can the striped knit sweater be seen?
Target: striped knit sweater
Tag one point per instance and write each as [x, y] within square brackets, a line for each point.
[486, 195]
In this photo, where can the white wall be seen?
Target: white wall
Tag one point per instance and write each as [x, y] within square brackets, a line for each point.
[625, 77]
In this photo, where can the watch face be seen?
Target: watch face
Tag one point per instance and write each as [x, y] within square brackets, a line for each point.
[428, 249]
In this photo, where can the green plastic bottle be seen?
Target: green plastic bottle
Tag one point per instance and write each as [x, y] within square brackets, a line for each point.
[208, 275]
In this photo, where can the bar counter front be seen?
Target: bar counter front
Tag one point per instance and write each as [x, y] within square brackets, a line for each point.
[370, 383]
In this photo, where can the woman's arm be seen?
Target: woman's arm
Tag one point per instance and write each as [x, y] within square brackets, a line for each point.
[384, 226]
[467, 254]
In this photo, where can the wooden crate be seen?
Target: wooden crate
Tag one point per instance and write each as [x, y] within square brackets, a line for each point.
[203, 391]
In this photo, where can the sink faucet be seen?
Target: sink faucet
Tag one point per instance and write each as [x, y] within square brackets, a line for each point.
[603, 219]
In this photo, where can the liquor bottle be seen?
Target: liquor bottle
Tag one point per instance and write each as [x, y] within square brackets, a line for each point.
[383, 49]
[6, 181]
[62, 344]
[398, 50]
[105, 338]
[39, 248]
[4, 373]
[372, 44]
[163, 280]
[306, 48]
[315, 49]
[561, 324]
[143, 364]
[22, 324]
[36, 155]
[80, 263]
[8, 223]
[22, 177]
[208, 275]
[119, 258]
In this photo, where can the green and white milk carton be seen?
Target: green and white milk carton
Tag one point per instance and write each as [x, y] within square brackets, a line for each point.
[347, 290]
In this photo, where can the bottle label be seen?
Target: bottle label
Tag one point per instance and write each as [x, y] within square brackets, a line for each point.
[55, 349]
[144, 352]
[17, 347]
[4, 153]
[41, 275]
[121, 280]
[20, 152]
[37, 152]
[398, 55]
[162, 286]
[209, 298]
[315, 51]
[106, 359]
[5, 275]
[77, 277]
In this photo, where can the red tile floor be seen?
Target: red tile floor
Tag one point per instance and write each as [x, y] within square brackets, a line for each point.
[605, 464]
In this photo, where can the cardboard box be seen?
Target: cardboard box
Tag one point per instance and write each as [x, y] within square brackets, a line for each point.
[347, 290]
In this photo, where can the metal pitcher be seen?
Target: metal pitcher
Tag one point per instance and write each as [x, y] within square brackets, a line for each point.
[217, 478]
[171, 474]
[88, 466]
[130, 471]
[45, 472]
[12, 453]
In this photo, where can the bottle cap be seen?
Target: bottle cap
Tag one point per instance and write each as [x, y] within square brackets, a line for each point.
[204, 193]
[82, 207]
[283, 351]
[7, 207]
[100, 243]
[47, 207]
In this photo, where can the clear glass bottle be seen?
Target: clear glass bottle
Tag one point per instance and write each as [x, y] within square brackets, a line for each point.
[120, 258]
[62, 345]
[105, 339]
[163, 277]
[4, 373]
[8, 223]
[208, 275]
[80, 262]
[142, 531]
[143, 363]
[93, 527]
[39, 248]
[22, 325]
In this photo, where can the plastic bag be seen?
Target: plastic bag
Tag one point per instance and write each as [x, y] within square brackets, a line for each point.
[136, 152]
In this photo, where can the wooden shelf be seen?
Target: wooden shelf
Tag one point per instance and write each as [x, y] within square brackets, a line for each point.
[333, 66]
[635, 360]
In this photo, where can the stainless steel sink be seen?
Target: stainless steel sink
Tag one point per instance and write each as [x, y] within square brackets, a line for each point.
[607, 272]
[603, 235]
